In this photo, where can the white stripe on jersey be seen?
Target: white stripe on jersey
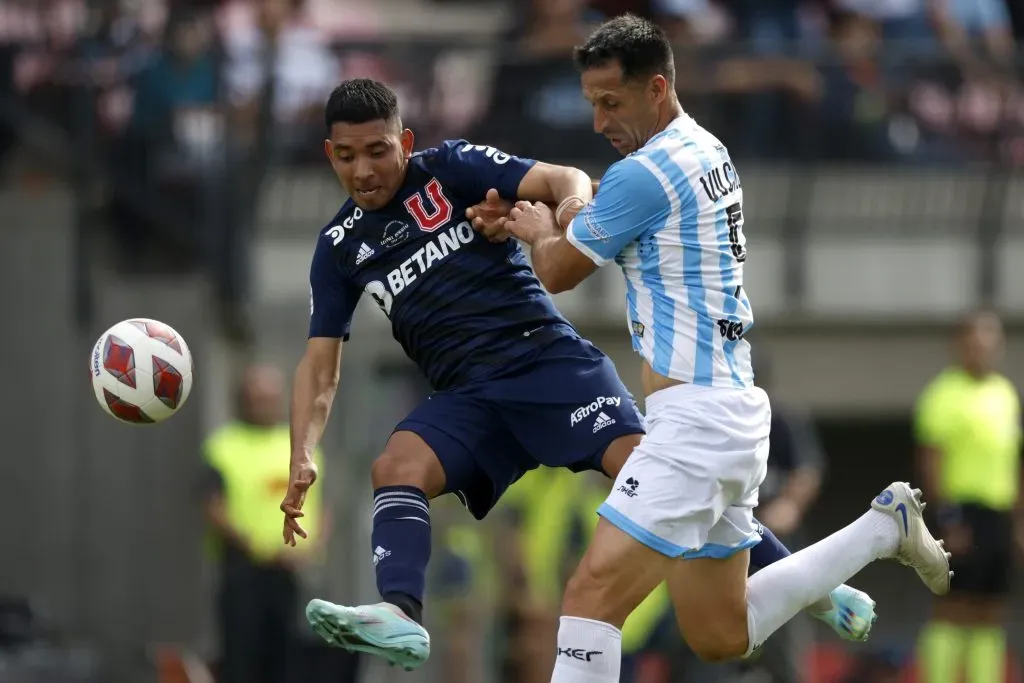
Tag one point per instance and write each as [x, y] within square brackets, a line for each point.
[686, 306]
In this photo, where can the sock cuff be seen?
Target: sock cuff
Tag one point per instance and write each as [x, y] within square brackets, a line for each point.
[400, 502]
[409, 490]
[588, 650]
[574, 624]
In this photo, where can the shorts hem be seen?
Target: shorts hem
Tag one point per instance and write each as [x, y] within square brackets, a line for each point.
[649, 539]
[713, 551]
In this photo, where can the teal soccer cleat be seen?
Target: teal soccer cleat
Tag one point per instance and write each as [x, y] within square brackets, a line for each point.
[852, 614]
[382, 630]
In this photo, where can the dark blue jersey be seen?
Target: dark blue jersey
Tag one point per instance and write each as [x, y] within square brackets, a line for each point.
[463, 308]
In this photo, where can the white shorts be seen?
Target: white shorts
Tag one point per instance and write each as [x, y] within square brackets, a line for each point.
[690, 488]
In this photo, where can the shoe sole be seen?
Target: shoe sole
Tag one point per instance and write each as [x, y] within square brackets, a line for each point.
[341, 627]
[917, 499]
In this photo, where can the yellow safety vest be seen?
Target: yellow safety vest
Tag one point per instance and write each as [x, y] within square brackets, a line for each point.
[253, 463]
[975, 425]
[545, 500]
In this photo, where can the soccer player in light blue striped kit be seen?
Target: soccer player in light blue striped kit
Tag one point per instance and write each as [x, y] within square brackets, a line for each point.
[670, 214]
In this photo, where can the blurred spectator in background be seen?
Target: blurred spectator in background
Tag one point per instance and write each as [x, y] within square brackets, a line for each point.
[855, 113]
[247, 474]
[277, 63]
[536, 82]
[968, 430]
[977, 34]
[169, 160]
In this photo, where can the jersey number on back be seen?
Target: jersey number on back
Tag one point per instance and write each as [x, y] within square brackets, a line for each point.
[734, 216]
[440, 212]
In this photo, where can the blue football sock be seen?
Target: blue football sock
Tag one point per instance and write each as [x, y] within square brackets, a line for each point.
[769, 550]
[401, 546]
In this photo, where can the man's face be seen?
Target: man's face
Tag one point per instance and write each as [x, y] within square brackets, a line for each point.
[625, 111]
[263, 395]
[369, 159]
[981, 344]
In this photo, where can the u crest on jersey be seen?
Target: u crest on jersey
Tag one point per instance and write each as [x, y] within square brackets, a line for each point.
[440, 212]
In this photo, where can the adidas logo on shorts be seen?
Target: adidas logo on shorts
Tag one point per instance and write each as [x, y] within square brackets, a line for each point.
[365, 252]
[602, 421]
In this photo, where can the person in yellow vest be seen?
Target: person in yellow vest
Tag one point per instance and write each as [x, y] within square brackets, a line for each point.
[246, 466]
[968, 433]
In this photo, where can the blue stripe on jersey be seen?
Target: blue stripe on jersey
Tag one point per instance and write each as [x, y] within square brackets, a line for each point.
[664, 307]
[726, 267]
[703, 366]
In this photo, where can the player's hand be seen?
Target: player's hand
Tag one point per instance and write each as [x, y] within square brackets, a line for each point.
[529, 221]
[302, 477]
[489, 216]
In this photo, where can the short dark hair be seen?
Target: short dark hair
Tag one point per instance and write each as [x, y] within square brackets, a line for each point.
[360, 100]
[638, 45]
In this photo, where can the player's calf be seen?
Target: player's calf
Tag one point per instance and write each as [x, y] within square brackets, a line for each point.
[615, 575]
[404, 478]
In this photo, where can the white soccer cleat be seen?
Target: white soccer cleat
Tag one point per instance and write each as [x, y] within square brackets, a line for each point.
[381, 629]
[917, 549]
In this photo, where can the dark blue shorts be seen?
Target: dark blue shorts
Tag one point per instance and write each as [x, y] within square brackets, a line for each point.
[562, 409]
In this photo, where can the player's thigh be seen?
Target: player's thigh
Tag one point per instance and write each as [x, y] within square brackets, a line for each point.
[572, 410]
[710, 600]
[615, 575]
[438, 448]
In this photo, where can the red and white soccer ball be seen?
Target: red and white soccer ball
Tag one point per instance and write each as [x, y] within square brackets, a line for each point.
[141, 371]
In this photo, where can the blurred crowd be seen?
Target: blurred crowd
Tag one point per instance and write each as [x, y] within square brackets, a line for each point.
[875, 80]
[176, 111]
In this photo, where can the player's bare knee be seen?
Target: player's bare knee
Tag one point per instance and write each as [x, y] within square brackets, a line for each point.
[722, 638]
[408, 462]
[720, 646]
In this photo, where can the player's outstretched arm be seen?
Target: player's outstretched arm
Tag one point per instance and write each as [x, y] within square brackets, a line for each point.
[631, 203]
[564, 187]
[316, 382]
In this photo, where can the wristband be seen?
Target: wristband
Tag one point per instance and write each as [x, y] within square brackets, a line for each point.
[565, 205]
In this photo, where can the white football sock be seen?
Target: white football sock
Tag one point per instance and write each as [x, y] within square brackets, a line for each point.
[776, 593]
[588, 652]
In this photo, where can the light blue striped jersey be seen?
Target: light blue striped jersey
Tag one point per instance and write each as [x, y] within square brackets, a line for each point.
[671, 215]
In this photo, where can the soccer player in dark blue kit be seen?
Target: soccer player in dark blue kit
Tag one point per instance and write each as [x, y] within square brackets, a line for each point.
[515, 386]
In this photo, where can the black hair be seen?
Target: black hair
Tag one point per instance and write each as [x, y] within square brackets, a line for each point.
[639, 46]
[360, 100]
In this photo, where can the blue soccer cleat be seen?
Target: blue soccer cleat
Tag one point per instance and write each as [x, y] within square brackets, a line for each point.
[382, 630]
[852, 613]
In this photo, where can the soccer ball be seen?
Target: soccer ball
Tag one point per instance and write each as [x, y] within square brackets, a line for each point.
[141, 371]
